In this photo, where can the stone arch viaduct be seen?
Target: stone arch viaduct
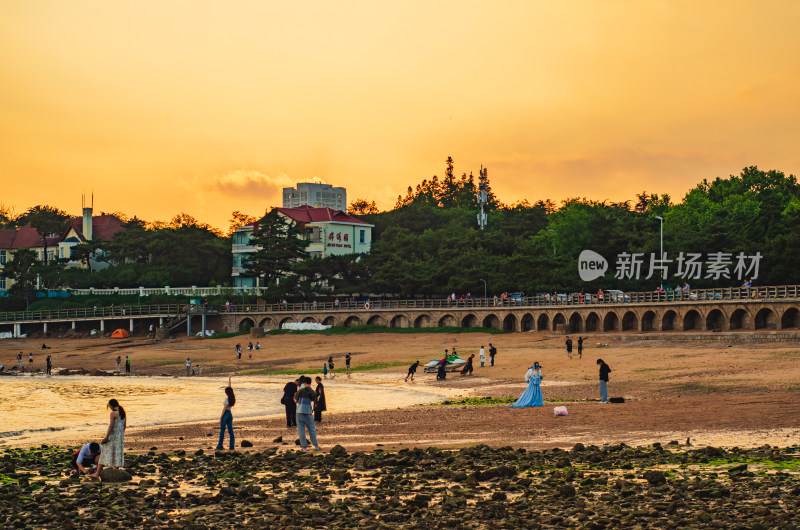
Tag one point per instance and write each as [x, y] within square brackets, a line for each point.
[586, 315]
[728, 309]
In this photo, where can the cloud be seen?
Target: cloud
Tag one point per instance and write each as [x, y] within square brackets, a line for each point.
[248, 183]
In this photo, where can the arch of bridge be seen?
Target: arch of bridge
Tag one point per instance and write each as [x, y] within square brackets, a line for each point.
[631, 317]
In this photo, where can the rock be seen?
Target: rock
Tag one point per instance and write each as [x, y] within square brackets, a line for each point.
[199, 452]
[338, 451]
[114, 475]
[278, 440]
[654, 478]
[567, 490]
[245, 443]
[737, 470]
[340, 475]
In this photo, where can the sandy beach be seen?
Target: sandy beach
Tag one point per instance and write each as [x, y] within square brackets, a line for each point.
[713, 394]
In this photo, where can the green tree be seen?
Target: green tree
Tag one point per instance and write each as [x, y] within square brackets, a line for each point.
[47, 220]
[362, 207]
[280, 243]
[86, 252]
[22, 270]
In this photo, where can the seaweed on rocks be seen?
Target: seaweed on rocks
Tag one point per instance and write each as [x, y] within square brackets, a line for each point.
[617, 486]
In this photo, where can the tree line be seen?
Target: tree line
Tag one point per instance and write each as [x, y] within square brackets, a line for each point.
[429, 244]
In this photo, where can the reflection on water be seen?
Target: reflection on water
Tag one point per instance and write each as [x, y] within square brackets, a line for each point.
[71, 409]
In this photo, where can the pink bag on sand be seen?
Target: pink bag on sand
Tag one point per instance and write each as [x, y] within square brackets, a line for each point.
[560, 411]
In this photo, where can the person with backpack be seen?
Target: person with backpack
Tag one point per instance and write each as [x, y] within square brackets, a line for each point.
[492, 353]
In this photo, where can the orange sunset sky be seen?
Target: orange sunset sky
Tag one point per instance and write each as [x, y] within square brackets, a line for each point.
[203, 107]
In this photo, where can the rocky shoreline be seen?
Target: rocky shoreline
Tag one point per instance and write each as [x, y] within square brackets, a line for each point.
[670, 486]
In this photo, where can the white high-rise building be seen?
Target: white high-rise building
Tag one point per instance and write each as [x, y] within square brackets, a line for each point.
[315, 195]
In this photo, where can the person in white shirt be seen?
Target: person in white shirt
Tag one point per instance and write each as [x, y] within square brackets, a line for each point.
[482, 355]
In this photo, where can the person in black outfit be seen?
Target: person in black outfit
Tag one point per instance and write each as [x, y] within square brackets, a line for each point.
[604, 371]
[49, 364]
[492, 353]
[320, 406]
[467, 370]
[568, 342]
[288, 401]
[441, 373]
[412, 370]
[580, 347]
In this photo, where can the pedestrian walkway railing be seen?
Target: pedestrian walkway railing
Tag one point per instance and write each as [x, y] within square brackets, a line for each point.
[781, 292]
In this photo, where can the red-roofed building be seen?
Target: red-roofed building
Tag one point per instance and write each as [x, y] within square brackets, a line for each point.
[77, 230]
[330, 233]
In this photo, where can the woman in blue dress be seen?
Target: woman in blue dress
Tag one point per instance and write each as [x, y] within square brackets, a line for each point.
[532, 397]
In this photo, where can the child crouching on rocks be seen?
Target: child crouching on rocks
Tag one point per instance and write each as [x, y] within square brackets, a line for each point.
[84, 460]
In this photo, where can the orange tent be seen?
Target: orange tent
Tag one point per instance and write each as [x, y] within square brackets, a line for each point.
[120, 333]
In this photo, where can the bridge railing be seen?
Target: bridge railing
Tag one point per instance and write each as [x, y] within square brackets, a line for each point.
[543, 301]
[115, 311]
[571, 299]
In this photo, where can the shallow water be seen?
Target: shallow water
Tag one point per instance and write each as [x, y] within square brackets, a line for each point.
[60, 409]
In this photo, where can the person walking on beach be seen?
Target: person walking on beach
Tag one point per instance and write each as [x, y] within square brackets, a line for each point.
[330, 367]
[325, 370]
[226, 419]
[467, 370]
[119, 361]
[238, 351]
[49, 361]
[112, 448]
[304, 398]
[150, 334]
[411, 371]
[482, 356]
[288, 401]
[568, 343]
[604, 371]
[580, 347]
[319, 406]
[188, 366]
[30, 359]
[19, 360]
[127, 366]
[347, 363]
[492, 353]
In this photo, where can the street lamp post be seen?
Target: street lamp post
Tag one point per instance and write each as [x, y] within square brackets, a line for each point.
[661, 239]
[484, 289]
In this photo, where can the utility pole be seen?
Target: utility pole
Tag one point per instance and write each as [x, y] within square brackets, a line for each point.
[482, 196]
[661, 238]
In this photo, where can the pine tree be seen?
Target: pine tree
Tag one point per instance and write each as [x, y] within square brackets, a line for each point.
[280, 243]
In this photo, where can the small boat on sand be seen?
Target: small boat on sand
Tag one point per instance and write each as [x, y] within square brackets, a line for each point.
[454, 364]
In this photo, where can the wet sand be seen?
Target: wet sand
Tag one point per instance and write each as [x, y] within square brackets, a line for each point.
[742, 395]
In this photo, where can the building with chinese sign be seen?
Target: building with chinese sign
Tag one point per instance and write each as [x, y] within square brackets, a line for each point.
[329, 232]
